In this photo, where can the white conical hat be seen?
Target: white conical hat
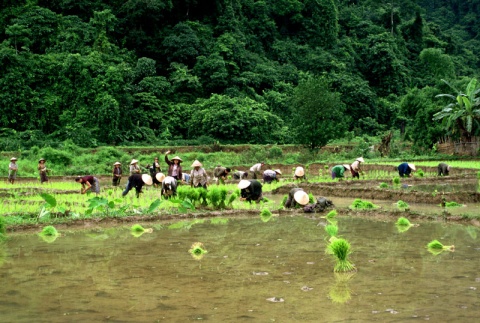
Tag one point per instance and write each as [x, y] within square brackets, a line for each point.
[299, 171]
[117, 163]
[177, 158]
[278, 171]
[412, 166]
[301, 197]
[243, 184]
[147, 179]
[160, 177]
[360, 159]
[347, 166]
[134, 161]
[12, 159]
[196, 163]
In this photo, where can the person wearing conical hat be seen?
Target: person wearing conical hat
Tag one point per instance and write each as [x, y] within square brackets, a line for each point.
[174, 167]
[299, 173]
[12, 170]
[169, 187]
[134, 168]
[271, 175]
[405, 169]
[198, 175]
[443, 169]
[338, 171]
[42, 168]
[295, 198]
[355, 167]
[250, 190]
[116, 173]
[137, 181]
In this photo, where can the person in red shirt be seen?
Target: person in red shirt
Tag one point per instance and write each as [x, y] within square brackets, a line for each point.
[89, 183]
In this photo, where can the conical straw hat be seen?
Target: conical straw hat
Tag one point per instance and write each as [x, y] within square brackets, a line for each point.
[412, 166]
[299, 171]
[243, 184]
[147, 179]
[360, 159]
[278, 171]
[301, 197]
[12, 159]
[134, 161]
[160, 177]
[196, 163]
[347, 166]
[117, 163]
[177, 158]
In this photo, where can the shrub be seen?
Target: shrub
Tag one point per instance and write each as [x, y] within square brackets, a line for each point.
[56, 157]
[275, 152]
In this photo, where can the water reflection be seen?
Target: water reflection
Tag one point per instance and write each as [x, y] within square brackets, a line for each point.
[106, 274]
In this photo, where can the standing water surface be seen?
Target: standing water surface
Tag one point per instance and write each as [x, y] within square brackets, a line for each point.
[109, 275]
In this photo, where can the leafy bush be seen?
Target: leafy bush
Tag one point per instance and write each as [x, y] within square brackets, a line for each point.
[275, 152]
[56, 157]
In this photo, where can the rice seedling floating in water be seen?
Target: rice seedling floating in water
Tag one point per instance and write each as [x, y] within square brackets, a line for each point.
[332, 214]
[436, 247]
[340, 248]
[340, 292]
[403, 224]
[363, 205]
[452, 204]
[332, 231]
[49, 234]
[137, 230]
[403, 206]
[383, 185]
[266, 215]
[197, 250]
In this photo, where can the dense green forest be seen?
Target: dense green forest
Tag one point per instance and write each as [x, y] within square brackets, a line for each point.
[123, 72]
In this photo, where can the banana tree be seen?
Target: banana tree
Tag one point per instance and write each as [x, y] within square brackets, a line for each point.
[463, 115]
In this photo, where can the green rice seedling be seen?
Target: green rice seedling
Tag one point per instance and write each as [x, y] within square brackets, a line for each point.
[452, 204]
[214, 196]
[358, 204]
[332, 214]
[478, 175]
[383, 185]
[332, 230]
[403, 206]
[436, 247]
[311, 198]
[403, 222]
[3, 226]
[420, 173]
[223, 196]
[197, 250]
[265, 215]
[232, 198]
[49, 231]
[396, 180]
[137, 228]
[340, 292]
[340, 249]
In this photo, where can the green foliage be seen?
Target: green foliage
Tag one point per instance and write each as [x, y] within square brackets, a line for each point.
[401, 205]
[153, 206]
[137, 228]
[452, 204]
[49, 231]
[403, 221]
[340, 248]
[3, 229]
[265, 215]
[435, 244]
[197, 250]
[332, 230]
[383, 185]
[50, 200]
[420, 172]
[332, 214]
[358, 204]
[396, 180]
[311, 198]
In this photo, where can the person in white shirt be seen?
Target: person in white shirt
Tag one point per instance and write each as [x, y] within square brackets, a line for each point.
[255, 170]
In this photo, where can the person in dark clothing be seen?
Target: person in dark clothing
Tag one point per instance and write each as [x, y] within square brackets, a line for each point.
[88, 182]
[220, 173]
[405, 169]
[169, 187]
[443, 169]
[117, 174]
[137, 181]
[174, 167]
[240, 175]
[294, 198]
[250, 190]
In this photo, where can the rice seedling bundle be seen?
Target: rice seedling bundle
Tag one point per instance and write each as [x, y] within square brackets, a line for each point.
[49, 231]
[265, 215]
[401, 205]
[197, 250]
[340, 248]
[331, 214]
[396, 180]
[137, 228]
[436, 247]
[383, 185]
[366, 205]
[332, 230]
[403, 222]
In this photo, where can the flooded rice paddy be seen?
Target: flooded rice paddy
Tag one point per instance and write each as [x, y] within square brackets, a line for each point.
[254, 271]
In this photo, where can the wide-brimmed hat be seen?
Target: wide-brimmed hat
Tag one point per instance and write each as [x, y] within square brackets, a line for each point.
[12, 159]
[177, 158]
[278, 171]
[196, 163]
[299, 171]
[147, 179]
[301, 197]
[41, 159]
[360, 159]
[160, 177]
[117, 163]
[134, 161]
[412, 166]
[347, 166]
[244, 184]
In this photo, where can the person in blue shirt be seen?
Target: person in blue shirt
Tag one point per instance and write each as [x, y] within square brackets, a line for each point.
[405, 169]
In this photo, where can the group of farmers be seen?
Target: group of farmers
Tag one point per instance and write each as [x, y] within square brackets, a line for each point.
[251, 188]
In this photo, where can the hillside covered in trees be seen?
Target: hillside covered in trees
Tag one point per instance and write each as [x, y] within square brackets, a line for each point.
[238, 71]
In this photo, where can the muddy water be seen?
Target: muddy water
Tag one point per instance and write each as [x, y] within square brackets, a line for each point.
[109, 275]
